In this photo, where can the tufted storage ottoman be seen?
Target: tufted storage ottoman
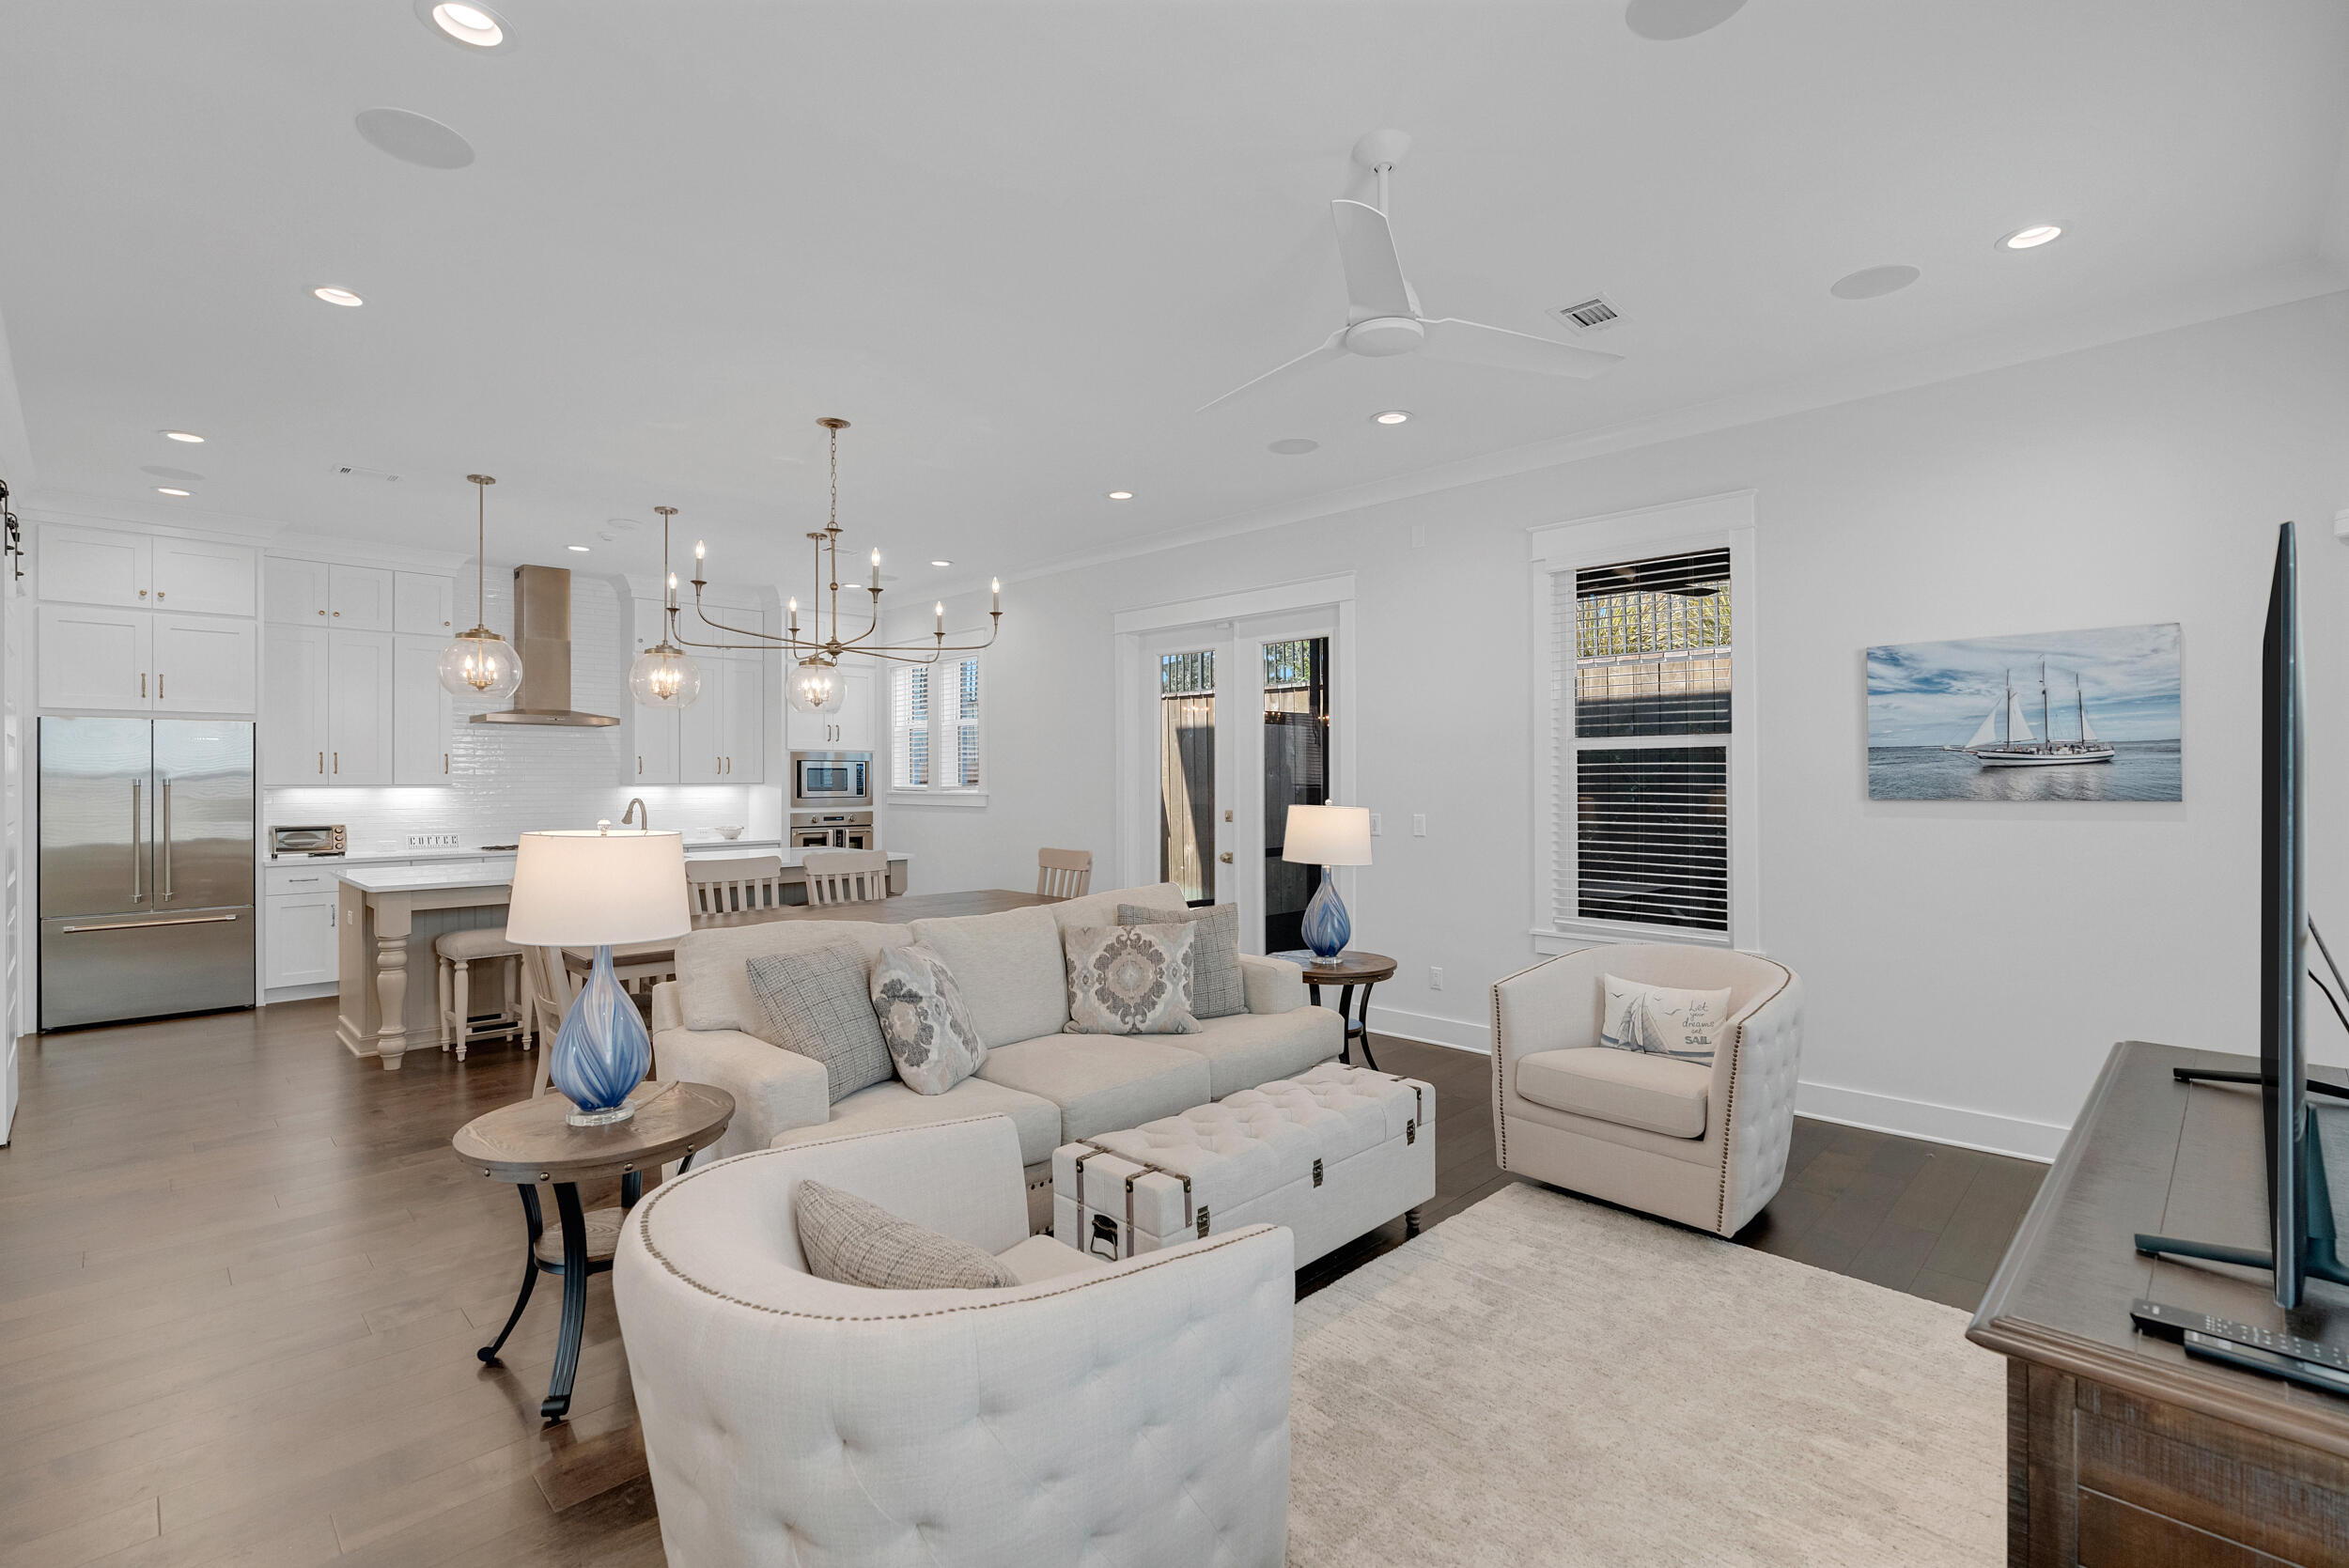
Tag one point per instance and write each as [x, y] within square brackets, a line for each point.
[1330, 1154]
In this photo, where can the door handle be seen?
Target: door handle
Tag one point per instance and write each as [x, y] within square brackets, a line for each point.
[143, 924]
[1225, 857]
[164, 839]
[138, 810]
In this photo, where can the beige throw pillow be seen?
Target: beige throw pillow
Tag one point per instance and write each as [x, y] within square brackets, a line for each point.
[1663, 1020]
[848, 1241]
[1129, 979]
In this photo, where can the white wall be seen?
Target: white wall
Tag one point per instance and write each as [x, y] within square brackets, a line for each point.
[1968, 965]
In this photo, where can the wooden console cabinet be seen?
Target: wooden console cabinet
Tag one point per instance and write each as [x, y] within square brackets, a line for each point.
[2121, 1452]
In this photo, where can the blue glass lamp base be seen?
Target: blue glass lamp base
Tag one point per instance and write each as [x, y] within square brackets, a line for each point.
[1328, 927]
[601, 1051]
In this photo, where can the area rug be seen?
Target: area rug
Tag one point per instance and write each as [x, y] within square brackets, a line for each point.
[1541, 1380]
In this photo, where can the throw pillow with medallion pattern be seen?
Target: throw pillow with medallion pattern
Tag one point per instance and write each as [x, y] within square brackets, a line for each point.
[1129, 979]
[922, 1019]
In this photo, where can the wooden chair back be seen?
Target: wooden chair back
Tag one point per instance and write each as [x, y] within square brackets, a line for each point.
[1063, 873]
[546, 994]
[847, 875]
[731, 886]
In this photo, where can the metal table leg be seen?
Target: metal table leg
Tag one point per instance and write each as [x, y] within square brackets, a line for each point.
[1361, 1026]
[529, 1272]
[559, 1400]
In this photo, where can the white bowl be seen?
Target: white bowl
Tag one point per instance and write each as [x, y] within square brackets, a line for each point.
[727, 832]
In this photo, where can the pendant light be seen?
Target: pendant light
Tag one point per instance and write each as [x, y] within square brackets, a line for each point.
[664, 676]
[481, 663]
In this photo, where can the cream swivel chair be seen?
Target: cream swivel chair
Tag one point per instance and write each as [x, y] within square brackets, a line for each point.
[1135, 1411]
[1705, 1147]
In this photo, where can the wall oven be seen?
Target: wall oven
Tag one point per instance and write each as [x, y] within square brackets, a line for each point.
[830, 781]
[831, 830]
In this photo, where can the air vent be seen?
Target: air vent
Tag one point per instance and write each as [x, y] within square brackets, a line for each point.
[352, 471]
[1591, 315]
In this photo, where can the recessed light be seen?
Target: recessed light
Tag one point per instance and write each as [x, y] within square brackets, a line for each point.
[1392, 416]
[475, 27]
[1670, 21]
[182, 435]
[1870, 282]
[413, 138]
[2030, 236]
[1121, 495]
[941, 563]
[1293, 447]
[338, 297]
[166, 489]
[581, 548]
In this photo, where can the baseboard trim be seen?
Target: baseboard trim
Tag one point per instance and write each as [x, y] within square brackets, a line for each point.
[298, 993]
[1952, 1125]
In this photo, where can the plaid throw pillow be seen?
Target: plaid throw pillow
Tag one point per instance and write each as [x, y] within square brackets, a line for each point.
[1216, 989]
[1129, 979]
[848, 1241]
[816, 1006]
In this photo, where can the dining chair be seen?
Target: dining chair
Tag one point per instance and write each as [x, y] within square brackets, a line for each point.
[846, 876]
[1063, 873]
[733, 885]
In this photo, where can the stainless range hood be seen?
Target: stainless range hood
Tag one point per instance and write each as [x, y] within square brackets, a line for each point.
[543, 638]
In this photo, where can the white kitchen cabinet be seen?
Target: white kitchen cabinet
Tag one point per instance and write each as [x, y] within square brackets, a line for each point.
[745, 719]
[203, 663]
[95, 565]
[651, 755]
[422, 605]
[701, 729]
[292, 728]
[421, 712]
[193, 577]
[850, 729]
[93, 658]
[359, 707]
[359, 599]
[294, 593]
[299, 939]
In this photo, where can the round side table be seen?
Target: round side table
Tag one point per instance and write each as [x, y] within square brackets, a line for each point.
[529, 1141]
[1348, 970]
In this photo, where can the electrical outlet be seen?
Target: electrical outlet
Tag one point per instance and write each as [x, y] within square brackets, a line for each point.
[431, 841]
[1377, 827]
[1419, 824]
[1435, 977]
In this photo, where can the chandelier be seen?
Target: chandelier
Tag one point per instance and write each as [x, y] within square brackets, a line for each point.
[480, 663]
[814, 683]
[664, 676]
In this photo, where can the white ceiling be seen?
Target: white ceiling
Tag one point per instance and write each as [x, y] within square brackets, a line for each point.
[1018, 244]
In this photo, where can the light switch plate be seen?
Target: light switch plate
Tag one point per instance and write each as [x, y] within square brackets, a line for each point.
[1419, 824]
[431, 841]
[1435, 977]
[1377, 827]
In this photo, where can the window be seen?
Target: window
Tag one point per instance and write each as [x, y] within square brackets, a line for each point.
[934, 749]
[1646, 784]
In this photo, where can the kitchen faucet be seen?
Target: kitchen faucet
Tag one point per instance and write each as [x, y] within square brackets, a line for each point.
[638, 814]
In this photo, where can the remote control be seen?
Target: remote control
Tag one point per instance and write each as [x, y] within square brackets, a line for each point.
[2171, 1322]
[2309, 1374]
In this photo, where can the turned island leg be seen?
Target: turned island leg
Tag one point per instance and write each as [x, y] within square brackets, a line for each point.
[393, 922]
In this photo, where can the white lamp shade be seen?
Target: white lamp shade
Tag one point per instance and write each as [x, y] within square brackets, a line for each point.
[583, 888]
[1327, 835]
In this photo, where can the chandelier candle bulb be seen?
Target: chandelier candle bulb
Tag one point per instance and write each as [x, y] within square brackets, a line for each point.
[794, 622]
[996, 588]
[941, 617]
[876, 571]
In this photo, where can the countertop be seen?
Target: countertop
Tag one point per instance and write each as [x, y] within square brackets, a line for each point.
[398, 857]
[434, 879]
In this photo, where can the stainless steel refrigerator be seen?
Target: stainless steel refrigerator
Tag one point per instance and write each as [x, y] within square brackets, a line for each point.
[146, 904]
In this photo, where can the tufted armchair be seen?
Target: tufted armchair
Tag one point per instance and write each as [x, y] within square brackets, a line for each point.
[1135, 1413]
[1705, 1146]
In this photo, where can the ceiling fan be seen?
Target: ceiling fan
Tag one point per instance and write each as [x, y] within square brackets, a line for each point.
[1382, 313]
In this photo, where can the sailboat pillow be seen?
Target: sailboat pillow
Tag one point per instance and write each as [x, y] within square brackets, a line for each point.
[1662, 1020]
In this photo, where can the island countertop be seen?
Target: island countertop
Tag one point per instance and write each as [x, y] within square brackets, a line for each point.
[493, 872]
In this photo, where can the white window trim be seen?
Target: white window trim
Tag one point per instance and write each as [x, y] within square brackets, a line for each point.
[1707, 522]
[942, 729]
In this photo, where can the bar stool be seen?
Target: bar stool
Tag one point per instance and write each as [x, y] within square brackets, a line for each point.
[456, 953]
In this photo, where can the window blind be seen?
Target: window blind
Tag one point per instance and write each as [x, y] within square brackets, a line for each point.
[966, 725]
[1643, 659]
[909, 723]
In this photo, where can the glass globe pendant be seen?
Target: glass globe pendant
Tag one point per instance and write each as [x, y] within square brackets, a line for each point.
[480, 663]
[814, 686]
[664, 676]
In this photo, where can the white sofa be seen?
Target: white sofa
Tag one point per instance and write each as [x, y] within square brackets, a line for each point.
[1054, 1087]
[1702, 1145]
[1135, 1413]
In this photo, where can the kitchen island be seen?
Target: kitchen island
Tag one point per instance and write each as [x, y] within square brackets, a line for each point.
[389, 917]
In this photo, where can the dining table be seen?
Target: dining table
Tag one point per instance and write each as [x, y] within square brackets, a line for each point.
[657, 961]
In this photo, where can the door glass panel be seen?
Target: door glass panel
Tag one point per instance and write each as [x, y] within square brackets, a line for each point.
[1296, 774]
[1187, 773]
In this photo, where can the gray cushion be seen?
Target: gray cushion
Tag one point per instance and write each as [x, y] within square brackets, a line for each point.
[1102, 1083]
[1216, 990]
[847, 1239]
[890, 1105]
[1259, 1048]
[924, 1020]
[816, 1004]
[1632, 1089]
[1100, 908]
[1129, 979]
[1009, 968]
[716, 992]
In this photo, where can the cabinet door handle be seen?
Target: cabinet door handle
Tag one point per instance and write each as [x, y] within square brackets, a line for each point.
[338, 762]
[330, 918]
[640, 765]
[321, 612]
[338, 615]
[443, 762]
[142, 593]
[142, 683]
[322, 763]
[159, 680]
[163, 838]
[159, 595]
[137, 790]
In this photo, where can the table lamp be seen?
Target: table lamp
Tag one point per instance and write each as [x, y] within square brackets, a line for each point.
[576, 888]
[1328, 837]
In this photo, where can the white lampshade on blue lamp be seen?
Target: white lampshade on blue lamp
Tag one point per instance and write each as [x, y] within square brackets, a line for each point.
[581, 889]
[1328, 837]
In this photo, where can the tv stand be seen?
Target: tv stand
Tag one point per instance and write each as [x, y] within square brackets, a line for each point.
[2320, 1256]
[2215, 1075]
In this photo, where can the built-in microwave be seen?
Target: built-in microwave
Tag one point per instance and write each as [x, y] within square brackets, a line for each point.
[824, 780]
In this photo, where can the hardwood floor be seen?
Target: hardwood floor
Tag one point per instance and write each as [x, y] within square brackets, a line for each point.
[243, 1278]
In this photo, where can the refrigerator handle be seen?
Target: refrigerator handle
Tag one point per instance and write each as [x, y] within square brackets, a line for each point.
[137, 811]
[162, 838]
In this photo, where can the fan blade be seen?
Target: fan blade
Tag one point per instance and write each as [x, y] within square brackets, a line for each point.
[1473, 343]
[1373, 272]
[1332, 348]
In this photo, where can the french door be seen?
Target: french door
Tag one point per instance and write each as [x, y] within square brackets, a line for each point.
[1240, 733]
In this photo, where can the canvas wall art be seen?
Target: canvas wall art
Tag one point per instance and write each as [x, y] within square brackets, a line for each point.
[2052, 716]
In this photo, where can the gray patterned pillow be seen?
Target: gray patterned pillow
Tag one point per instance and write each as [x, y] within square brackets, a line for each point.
[1216, 989]
[924, 1020]
[847, 1239]
[816, 1006]
[1129, 979]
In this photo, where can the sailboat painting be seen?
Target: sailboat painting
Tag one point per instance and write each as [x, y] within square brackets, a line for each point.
[2054, 716]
